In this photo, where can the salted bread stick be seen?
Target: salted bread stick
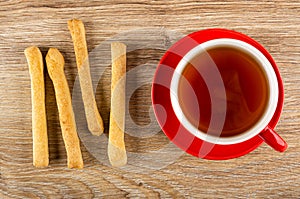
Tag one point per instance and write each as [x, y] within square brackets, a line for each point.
[116, 146]
[39, 121]
[94, 120]
[55, 65]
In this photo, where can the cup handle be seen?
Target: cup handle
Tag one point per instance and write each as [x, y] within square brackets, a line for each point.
[273, 139]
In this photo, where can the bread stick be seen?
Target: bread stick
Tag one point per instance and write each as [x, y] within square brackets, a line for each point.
[94, 120]
[55, 65]
[39, 121]
[116, 146]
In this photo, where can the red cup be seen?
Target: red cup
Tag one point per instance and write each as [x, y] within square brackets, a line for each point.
[188, 137]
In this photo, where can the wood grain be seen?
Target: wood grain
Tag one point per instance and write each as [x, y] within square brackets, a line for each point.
[263, 173]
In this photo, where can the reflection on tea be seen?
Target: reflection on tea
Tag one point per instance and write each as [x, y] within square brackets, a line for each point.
[244, 91]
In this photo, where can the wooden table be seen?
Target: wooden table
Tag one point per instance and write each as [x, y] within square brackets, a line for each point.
[261, 174]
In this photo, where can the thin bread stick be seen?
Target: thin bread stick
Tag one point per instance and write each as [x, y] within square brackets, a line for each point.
[55, 65]
[116, 146]
[39, 121]
[94, 120]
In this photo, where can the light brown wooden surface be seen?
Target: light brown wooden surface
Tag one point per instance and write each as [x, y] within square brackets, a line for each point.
[261, 174]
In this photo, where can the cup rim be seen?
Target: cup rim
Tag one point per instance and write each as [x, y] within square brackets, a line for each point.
[271, 79]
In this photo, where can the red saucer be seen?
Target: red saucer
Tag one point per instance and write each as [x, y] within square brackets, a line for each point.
[166, 117]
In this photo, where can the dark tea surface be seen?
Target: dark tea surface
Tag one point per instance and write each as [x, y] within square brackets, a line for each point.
[244, 91]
